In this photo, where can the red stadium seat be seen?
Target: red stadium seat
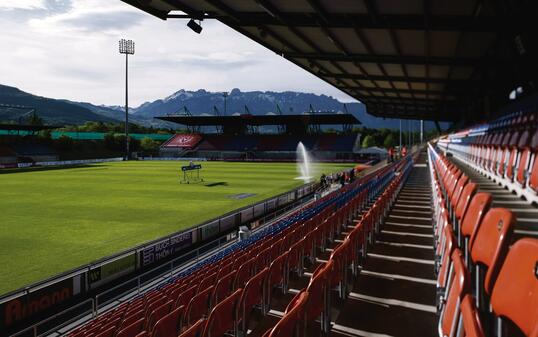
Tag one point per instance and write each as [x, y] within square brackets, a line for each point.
[253, 294]
[169, 325]
[292, 320]
[533, 179]
[470, 318]
[515, 293]
[473, 218]
[107, 332]
[491, 243]
[318, 302]
[157, 314]
[224, 286]
[113, 322]
[186, 296]
[458, 190]
[277, 276]
[133, 329]
[295, 256]
[208, 281]
[525, 160]
[223, 317]
[225, 269]
[244, 272]
[448, 245]
[459, 287]
[356, 242]
[132, 317]
[194, 330]
[339, 270]
[199, 306]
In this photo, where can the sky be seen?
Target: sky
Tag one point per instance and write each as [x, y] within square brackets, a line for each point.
[69, 49]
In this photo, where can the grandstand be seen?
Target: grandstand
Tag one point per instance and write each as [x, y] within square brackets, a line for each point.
[239, 138]
[441, 242]
[15, 149]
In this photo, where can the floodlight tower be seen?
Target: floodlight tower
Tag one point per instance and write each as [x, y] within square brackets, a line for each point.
[225, 95]
[127, 47]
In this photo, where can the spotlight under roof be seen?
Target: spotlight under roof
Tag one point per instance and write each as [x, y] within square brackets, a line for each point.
[194, 26]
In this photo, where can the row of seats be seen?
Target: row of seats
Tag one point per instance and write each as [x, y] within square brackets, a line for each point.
[472, 242]
[313, 303]
[506, 154]
[324, 142]
[242, 276]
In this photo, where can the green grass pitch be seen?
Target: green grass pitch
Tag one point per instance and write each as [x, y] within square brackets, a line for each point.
[55, 220]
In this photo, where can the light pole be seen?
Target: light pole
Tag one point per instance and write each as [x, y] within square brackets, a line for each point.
[225, 94]
[127, 47]
[421, 131]
[400, 134]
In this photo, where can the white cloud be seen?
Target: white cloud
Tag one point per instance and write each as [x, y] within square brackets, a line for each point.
[72, 53]
[22, 4]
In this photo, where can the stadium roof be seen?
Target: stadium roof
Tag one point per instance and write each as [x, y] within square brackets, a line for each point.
[259, 120]
[25, 127]
[422, 59]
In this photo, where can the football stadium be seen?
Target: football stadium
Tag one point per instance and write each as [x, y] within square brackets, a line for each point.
[288, 223]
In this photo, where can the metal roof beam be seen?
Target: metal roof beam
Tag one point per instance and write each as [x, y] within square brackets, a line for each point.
[455, 82]
[191, 12]
[394, 21]
[407, 91]
[148, 9]
[394, 59]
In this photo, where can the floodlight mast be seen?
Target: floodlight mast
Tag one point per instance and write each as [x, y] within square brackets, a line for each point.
[127, 47]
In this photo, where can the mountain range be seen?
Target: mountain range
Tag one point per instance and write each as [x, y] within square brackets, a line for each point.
[61, 112]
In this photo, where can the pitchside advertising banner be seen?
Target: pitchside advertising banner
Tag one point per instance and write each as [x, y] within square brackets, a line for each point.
[165, 248]
[210, 230]
[28, 307]
[112, 270]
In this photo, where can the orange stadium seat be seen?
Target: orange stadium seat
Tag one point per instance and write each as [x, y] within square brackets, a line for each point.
[458, 288]
[470, 318]
[478, 207]
[292, 323]
[491, 243]
[515, 293]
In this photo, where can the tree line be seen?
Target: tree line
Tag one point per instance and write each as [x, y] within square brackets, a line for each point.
[388, 138]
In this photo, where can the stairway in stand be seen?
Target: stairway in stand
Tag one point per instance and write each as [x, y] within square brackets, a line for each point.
[394, 295]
